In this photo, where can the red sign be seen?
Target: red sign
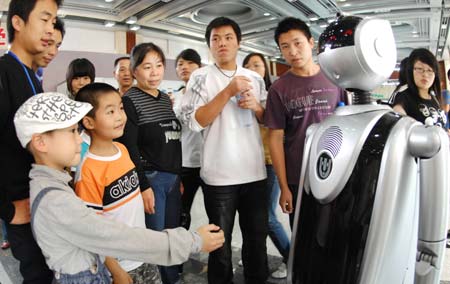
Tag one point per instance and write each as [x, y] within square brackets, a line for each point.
[2, 37]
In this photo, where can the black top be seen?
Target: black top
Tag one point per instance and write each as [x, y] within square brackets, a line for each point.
[421, 109]
[152, 133]
[15, 161]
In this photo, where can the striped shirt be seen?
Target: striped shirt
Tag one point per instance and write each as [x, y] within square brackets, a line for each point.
[152, 133]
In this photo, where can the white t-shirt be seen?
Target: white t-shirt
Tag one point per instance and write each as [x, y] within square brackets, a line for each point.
[191, 141]
[232, 147]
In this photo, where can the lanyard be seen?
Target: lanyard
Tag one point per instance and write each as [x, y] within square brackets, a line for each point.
[24, 69]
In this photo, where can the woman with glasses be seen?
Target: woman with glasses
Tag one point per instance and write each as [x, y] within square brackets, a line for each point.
[422, 99]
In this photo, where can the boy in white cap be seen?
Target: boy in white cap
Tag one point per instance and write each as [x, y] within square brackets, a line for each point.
[73, 238]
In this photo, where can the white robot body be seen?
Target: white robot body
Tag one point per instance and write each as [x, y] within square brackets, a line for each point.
[373, 194]
[358, 220]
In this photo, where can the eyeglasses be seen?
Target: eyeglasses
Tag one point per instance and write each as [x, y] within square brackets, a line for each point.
[420, 70]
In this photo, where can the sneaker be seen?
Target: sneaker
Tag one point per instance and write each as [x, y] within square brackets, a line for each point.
[5, 245]
[280, 273]
[240, 263]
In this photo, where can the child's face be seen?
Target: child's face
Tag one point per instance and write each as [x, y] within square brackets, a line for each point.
[110, 118]
[80, 82]
[63, 147]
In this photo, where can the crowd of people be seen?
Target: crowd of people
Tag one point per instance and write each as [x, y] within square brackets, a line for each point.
[113, 204]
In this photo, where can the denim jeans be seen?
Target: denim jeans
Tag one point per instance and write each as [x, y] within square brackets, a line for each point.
[250, 200]
[97, 275]
[166, 188]
[4, 231]
[276, 231]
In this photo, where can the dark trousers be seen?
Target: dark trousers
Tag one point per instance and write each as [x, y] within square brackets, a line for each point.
[250, 200]
[294, 190]
[190, 177]
[25, 249]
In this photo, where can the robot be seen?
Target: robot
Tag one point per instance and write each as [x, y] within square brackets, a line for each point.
[375, 198]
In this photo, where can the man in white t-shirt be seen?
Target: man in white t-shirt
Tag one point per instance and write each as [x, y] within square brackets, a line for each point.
[224, 102]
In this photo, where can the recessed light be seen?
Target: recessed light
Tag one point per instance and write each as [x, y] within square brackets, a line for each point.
[135, 27]
[266, 14]
[313, 18]
[131, 20]
[109, 24]
[443, 26]
[108, 1]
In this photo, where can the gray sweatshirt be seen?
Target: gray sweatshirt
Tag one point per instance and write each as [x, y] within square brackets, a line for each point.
[69, 233]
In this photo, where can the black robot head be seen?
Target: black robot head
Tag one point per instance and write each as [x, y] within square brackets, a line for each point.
[357, 53]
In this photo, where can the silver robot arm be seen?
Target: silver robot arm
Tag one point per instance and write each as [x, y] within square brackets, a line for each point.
[431, 146]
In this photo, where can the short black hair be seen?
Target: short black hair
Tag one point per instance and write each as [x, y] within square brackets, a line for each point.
[291, 23]
[118, 60]
[59, 26]
[221, 22]
[91, 93]
[139, 52]
[189, 55]
[23, 9]
[448, 74]
[79, 67]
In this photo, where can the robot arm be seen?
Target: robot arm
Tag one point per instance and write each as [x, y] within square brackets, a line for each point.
[431, 146]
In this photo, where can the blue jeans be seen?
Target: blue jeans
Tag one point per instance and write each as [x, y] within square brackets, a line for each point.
[97, 275]
[276, 231]
[166, 188]
[4, 231]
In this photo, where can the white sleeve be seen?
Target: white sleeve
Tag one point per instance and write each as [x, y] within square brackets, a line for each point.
[194, 97]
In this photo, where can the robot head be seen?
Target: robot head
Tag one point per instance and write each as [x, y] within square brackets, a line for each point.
[357, 53]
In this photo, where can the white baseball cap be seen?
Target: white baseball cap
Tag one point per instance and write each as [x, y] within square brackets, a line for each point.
[47, 111]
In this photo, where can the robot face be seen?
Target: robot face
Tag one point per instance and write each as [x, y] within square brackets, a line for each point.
[357, 53]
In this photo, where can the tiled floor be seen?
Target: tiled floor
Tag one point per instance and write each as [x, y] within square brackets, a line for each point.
[195, 269]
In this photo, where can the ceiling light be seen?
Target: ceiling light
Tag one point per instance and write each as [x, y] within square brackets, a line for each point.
[443, 26]
[439, 49]
[266, 14]
[313, 18]
[131, 20]
[110, 24]
[415, 35]
[108, 1]
[346, 5]
[331, 20]
[135, 27]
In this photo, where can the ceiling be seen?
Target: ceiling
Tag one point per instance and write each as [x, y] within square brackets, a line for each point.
[416, 23]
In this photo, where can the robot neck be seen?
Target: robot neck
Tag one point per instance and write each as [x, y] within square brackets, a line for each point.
[361, 97]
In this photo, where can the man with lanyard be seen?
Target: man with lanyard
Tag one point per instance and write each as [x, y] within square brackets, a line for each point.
[223, 101]
[30, 26]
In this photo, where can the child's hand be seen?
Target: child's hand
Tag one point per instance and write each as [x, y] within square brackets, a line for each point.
[212, 237]
[149, 201]
[118, 275]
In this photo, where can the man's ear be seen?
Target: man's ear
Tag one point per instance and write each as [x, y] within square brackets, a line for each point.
[88, 122]
[38, 142]
[17, 22]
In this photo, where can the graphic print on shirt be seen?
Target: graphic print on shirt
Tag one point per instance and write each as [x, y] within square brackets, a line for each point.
[120, 190]
[172, 131]
[316, 101]
[438, 116]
